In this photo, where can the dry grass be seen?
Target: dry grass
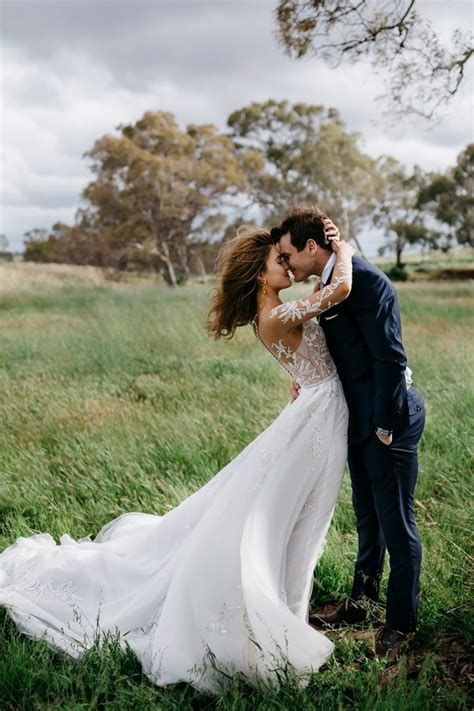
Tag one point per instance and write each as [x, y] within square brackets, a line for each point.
[24, 276]
[16, 276]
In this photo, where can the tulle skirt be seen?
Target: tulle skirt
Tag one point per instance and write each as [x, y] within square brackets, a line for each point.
[226, 576]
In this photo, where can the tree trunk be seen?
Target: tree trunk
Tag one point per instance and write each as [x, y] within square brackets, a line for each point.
[398, 252]
[355, 239]
[170, 274]
[202, 268]
[183, 260]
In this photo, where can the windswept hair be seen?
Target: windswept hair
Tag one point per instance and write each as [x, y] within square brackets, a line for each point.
[239, 262]
[303, 222]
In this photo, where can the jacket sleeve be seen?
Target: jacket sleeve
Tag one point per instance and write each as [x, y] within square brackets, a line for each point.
[374, 306]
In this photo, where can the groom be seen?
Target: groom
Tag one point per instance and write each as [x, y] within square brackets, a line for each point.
[386, 420]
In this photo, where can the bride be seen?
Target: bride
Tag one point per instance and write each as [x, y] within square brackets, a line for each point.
[227, 575]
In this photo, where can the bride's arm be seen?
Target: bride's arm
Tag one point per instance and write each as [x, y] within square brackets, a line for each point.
[294, 313]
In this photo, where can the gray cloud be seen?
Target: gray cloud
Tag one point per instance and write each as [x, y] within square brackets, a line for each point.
[75, 69]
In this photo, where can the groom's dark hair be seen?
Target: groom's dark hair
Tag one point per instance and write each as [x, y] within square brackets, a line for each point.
[302, 222]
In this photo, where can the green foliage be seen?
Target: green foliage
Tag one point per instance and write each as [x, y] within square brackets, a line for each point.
[307, 156]
[396, 273]
[399, 210]
[4, 253]
[163, 197]
[450, 197]
[157, 189]
[114, 399]
[39, 246]
[422, 74]
[156, 186]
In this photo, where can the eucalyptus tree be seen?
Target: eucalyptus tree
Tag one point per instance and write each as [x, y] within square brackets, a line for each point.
[307, 156]
[399, 212]
[449, 197]
[422, 74]
[157, 186]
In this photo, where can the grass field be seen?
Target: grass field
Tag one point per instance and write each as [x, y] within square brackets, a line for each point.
[114, 399]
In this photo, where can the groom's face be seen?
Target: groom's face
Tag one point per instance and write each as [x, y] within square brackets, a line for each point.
[300, 263]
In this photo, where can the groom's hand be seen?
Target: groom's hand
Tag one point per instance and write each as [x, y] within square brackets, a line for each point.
[385, 439]
[294, 391]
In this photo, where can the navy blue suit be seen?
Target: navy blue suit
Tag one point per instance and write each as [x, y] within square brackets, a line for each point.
[364, 337]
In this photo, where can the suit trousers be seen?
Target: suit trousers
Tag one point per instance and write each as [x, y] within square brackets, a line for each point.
[383, 484]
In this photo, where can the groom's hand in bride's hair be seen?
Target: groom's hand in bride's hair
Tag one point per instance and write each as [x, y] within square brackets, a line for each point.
[294, 390]
[331, 231]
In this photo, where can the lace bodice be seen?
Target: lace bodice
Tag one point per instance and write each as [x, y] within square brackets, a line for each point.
[311, 362]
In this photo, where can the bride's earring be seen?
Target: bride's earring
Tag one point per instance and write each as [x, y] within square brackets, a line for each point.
[264, 290]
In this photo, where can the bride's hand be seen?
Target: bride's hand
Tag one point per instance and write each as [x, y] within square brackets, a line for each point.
[294, 391]
[342, 249]
[331, 231]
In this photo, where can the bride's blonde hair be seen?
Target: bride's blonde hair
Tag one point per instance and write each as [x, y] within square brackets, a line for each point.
[239, 262]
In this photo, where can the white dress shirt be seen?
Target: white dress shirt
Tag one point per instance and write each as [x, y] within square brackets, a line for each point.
[328, 269]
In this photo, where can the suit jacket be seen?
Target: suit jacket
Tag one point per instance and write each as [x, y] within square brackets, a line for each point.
[364, 337]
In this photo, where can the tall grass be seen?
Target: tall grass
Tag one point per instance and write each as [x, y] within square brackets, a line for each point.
[114, 399]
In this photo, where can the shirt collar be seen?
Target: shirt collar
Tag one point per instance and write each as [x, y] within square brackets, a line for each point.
[328, 268]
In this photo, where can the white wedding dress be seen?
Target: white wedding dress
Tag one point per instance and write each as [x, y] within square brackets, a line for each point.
[227, 573]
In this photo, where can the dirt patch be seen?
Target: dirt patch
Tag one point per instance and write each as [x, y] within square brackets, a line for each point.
[452, 658]
[460, 274]
[452, 655]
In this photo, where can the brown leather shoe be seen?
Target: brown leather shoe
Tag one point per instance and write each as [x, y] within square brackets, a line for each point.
[392, 643]
[348, 612]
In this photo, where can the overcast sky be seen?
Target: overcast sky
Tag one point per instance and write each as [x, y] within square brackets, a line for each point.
[73, 70]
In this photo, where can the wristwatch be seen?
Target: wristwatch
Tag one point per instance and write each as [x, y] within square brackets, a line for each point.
[380, 432]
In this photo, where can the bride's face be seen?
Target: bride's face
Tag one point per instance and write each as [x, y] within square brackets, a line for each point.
[276, 271]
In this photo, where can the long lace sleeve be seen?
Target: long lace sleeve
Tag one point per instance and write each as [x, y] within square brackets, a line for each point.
[296, 312]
